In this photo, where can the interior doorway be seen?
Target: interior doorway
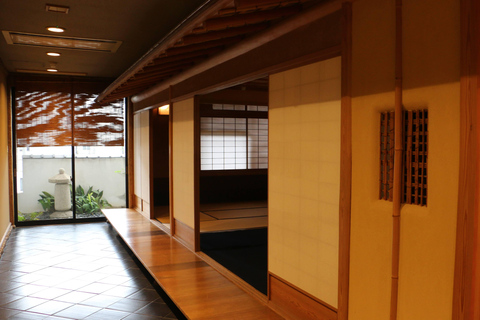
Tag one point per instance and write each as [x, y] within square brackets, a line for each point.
[233, 180]
[69, 151]
[161, 164]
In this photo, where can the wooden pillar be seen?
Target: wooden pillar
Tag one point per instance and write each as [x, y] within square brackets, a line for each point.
[466, 295]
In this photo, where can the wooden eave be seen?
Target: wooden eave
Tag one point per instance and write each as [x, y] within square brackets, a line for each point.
[214, 27]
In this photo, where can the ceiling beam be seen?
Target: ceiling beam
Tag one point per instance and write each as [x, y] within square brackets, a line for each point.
[254, 4]
[207, 10]
[205, 45]
[250, 18]
[227, 33]
[302, 19]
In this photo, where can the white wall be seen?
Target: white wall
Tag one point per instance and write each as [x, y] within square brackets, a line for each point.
[97, 172]
[4, 192]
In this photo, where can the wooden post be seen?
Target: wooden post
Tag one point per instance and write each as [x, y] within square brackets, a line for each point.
[397, 167]
[345, 163]
[466, 291]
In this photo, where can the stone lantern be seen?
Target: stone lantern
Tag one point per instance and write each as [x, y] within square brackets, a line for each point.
[62, 190]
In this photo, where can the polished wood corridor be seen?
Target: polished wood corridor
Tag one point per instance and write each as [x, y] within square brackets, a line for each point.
[197, 289]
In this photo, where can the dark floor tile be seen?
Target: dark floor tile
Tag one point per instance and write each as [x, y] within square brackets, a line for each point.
[77, 311]
[121, 291]
[50, 307]
[170, 316]
[24, 303]
[145, 294]
[6, 313]
[101, 301]
[107, 314]
[156, 308]
[26, 289]
[7, 298]
[9, 285]
[75, 297]
[96, 287]
[25, 315]
[50, 293]
[129, 305]
[136, 316]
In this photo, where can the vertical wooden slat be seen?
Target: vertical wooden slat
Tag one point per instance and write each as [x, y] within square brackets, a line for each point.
[170, 162]
[398, 165]
[345, 163]
[408, 156]
[196, 163]
[466, 282]
[131, 158]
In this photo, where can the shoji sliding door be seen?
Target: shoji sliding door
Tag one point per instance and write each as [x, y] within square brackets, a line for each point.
[70, 154]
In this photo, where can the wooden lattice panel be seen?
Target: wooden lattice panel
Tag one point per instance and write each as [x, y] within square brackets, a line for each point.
[415, 154]
[415, 157]
[387, 149]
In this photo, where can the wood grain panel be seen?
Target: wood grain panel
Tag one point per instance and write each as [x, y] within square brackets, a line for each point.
[293, 303]
[185, 234]
[466, 286]
[198, 290]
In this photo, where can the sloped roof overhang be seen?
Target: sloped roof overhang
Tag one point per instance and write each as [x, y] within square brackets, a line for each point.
[216, 33]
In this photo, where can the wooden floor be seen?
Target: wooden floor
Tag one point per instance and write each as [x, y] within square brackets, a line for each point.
[197, 289]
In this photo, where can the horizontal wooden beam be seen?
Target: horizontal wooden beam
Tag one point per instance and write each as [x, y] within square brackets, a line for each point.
[205, 45]
[205, 11]
[250, 18]
[302, 19]
[227, 33]
[255, 4]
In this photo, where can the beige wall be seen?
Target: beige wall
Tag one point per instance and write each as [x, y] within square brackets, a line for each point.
[304, 177]
[141, 161]
[183, 162]
[431, 80]
[4, 196]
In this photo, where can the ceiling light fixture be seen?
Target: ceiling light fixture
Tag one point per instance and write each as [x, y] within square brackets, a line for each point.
[53, 54]
[52, 70]
[164, 110]
[56, 29]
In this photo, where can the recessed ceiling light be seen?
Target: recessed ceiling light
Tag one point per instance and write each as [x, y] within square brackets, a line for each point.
[53, 54]
[52, 70]
[56, 29]
[56, 8]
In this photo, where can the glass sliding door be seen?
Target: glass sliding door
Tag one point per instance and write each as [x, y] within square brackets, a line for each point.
[99, 153]
[70, 154]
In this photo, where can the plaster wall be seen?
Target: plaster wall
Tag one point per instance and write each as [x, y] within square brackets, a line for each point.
[4, 190]
[183, 162]
[141, 134]
[431, 74]
[304, 177]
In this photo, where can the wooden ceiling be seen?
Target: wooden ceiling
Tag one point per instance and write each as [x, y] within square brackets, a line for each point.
[204, 34]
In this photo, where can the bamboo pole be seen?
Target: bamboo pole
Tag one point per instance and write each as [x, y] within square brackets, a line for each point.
[397, 167]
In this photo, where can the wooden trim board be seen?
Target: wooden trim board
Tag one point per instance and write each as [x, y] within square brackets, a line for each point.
[293, 303]
[466, 283]
[184, 234]
[345, 164]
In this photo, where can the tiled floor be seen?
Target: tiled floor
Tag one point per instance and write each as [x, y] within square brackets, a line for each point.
[75, 271]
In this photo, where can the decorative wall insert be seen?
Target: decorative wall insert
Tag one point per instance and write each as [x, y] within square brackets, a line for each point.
[415, 135]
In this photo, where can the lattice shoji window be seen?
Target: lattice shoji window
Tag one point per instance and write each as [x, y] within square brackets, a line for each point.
[415, 157]
[415, 135]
